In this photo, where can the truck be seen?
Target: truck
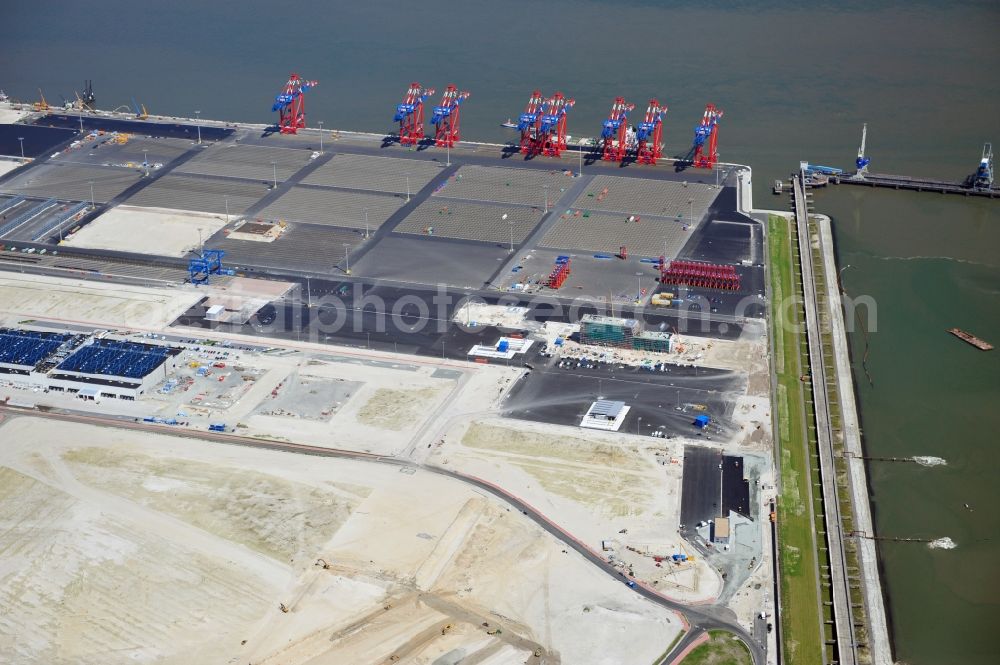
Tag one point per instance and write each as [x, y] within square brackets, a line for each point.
[217, 427]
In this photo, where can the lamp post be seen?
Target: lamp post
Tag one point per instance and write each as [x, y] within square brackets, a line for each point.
[347, 258]
[197, 115]
[21, 140]
[638, 424]
[407, 189]
[227, 210]
[366, 223]
[274, 165]
[448, 146]
[580, 170]
[504, 219]
[321, 137]
[691, 211]
[92, 205]
[545, 190]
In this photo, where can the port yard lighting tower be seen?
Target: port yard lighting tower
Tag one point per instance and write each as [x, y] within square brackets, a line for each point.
[649, 134]
[614, 130]
[707, 131]
[551, 139]
[197, 122]
[446, 117]
[410, 114]
[528, 122]
[21, 141]
[862, 162]
[291, 104]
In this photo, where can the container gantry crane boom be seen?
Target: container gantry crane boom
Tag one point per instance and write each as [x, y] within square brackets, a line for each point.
[551, 138]
[528, 122]
[983, 177]
[291, 105]
[614, 130]
[862, 162]
[410, 114]
[649, 134]
[446, 117]
[707, 131]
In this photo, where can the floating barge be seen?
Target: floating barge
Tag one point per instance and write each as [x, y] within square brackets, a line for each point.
[971, 339]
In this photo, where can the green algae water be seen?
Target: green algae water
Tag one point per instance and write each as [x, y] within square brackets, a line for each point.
[796, 82]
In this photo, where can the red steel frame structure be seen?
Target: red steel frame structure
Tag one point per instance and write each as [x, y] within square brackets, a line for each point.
[446, 117]
[614, 131]
[649, 135]
[410, 114]
[699, 274]
[551, 139]
[529, 121]
[291, 104]
[707, 131]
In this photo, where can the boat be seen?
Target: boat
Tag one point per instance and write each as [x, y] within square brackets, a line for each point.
[777, 187]
[510, 124]
[971, 339]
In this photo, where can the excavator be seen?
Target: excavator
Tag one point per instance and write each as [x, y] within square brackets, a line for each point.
[40, 105]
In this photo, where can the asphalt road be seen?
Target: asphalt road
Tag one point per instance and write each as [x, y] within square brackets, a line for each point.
[699, 618]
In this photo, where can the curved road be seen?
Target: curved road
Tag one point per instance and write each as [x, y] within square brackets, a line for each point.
[699, 619]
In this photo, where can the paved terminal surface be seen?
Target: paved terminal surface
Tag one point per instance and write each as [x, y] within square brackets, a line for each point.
[661, 401]
[429, 223]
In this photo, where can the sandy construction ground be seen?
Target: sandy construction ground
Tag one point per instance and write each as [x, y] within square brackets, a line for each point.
[9, 116]
[147, 231]
[596, 484]
[25, 296]
[127, 547]
[389, 409]
[7, 165]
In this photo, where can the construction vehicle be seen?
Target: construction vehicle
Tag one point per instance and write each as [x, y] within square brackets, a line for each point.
[41, 105]
[446, 629]
[140, 111]
[88, 99]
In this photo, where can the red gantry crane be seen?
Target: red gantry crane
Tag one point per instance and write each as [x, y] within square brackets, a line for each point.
[291, 104]
[707, 130]
[551, 137]
[614, 131]
[446, 117]
[649, 134]
[410, 114]
[528, 122]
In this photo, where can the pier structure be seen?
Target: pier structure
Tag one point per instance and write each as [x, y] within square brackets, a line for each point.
[824, 315]
[914, 184]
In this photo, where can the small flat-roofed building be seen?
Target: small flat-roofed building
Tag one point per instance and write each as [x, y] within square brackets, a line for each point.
[605, 414]
[720, 531]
